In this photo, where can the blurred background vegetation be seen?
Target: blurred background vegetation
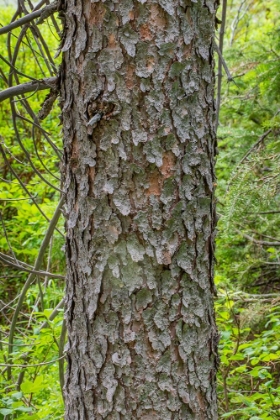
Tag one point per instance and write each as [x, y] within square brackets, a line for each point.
[248, 198]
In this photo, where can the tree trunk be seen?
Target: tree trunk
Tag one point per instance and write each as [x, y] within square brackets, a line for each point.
[137, 102]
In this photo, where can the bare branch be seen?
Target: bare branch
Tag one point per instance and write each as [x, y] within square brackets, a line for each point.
[245, 297]
[269, 212]
[35, 365]
[257, 241]
[19, 265]
[25, 188]
[220, 63]
[42, 14]
[14, 69]
[47, 105]
[229, 76]
[31, 276]
[27, 154]
[259, 141]
[36, 85]
[60, 354]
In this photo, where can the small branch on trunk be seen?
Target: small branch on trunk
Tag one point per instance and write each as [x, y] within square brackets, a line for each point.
[48, 83]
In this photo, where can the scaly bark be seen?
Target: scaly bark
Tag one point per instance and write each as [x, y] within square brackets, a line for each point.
[138, 115]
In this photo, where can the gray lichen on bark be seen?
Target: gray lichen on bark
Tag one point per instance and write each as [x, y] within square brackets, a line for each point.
[139, 143]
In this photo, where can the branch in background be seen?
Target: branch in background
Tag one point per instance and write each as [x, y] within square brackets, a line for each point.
[221, 62]
[259, 141]
[257, 232]
[47, 83]
[25, 151]
[60, 354]
[237, 19]
[246, 297]
[47, 104]
[35, 365]
[269, 212]
[257, 241]
[31, 277]
[15, 69]
[263, 212]
[16, 199]
[228, 73]
[42, 14]
[19, 265]
[24, 187]
[45, 324]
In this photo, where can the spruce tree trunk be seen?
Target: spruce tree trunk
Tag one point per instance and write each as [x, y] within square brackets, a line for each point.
[138, 110]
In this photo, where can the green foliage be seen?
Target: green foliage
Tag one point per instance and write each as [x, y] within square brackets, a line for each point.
[248, 201]
[32, 390]
[248, 266]
[248, 383]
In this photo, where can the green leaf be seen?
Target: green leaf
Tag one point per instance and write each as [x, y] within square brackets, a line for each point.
[6, 411]
[29, 387]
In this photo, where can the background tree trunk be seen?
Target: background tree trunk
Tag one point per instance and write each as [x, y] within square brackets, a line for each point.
[138, 110]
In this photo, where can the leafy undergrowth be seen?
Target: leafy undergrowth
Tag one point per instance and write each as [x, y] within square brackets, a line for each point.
[33, 390]
[248, 381]
[247, 270]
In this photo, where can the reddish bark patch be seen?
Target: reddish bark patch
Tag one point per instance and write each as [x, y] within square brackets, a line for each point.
[112, 41]
[131, 15]
[150, 64]
[168, 165]
[74, 153]
[130, 77]
[155, 184]
[136, 326]
[157, 19]
[97, 12]
[91, 176]
[187, 51]
[201, 401]
[151, 415]
[145, 33]
[166, 258]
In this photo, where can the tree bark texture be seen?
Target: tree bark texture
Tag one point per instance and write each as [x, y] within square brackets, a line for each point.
[137, 88]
